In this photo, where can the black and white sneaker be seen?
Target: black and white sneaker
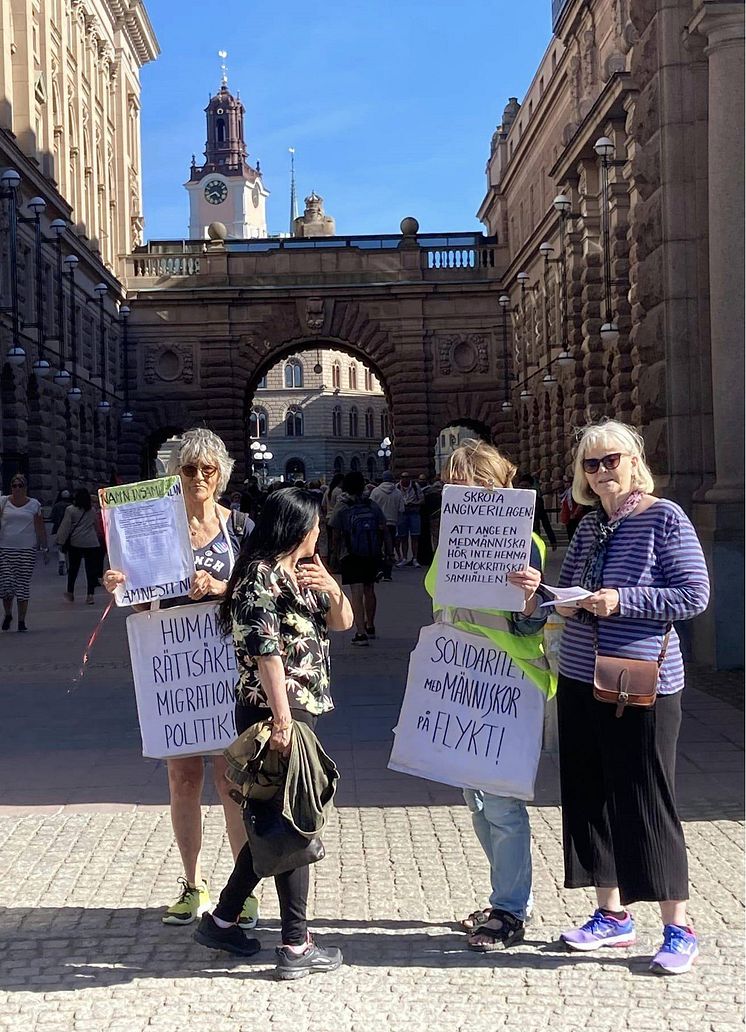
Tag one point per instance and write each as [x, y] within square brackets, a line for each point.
[360, 639]
[313, 960]
[371, 632]
[232, 939]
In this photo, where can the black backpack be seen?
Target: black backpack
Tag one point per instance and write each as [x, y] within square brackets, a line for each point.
[361, 530]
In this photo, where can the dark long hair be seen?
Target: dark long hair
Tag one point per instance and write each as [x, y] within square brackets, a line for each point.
[82, 499]
[286, 517]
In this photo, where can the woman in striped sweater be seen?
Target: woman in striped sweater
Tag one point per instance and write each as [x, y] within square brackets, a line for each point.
[640, 557]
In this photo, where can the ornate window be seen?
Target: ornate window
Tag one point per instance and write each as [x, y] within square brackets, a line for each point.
[384, 425]
[294, 373]
[352, 377]
[258, 423]
[339, 464]
[368, 380]
[371, 467]
[294, 423]
[262, 385]
[336, 421]
[355, 464]
[369, 423]
[353, 422]
[336, 376]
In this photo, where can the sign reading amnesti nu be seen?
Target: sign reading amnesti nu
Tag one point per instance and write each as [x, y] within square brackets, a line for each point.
[484, 536]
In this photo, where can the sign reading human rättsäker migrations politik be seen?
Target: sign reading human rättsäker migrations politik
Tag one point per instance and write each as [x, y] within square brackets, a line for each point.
[147, 538]
[470, 717]
[484, 536]
[185, 675]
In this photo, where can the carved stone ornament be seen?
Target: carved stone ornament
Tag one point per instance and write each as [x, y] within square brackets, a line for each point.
[315, 314]
[169, 363]
[463, 353]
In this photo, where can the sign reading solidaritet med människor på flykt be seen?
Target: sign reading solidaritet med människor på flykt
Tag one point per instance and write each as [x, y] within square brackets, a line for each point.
[185, 676]
[470, 717]
[484, 536]
[147, 538]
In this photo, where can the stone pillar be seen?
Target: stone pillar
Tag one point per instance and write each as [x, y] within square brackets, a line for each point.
[723, 24]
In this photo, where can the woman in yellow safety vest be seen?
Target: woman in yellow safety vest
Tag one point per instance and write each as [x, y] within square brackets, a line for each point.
[501, 823]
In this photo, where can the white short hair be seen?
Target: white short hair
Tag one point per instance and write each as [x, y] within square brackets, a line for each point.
[608, 434]
[202, 445]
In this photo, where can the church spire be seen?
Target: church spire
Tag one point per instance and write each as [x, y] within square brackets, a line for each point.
[222, 54]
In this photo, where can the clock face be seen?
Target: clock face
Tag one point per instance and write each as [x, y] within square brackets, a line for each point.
[215, 191]
[255, 196]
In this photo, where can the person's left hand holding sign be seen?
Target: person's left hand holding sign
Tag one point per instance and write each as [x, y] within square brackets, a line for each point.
[203, 584]
[528, 580]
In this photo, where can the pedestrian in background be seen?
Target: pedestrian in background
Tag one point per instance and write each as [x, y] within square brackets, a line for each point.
[22, 534]
[541, 516]
[390, 501]
[80, 536]
[56, 516]
[640, 557]
[409, 523]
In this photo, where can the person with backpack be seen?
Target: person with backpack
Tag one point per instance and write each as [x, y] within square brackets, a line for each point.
[358, 526]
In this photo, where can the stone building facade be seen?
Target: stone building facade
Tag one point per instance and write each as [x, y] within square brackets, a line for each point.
[656, 251]
[318, 413]
[69, 137]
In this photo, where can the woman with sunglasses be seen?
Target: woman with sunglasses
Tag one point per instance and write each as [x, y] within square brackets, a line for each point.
[22, 534]
[640, 558]
[217, 534]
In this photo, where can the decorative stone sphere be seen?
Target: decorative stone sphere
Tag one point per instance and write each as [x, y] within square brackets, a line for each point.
[409, 226]
[217, 231]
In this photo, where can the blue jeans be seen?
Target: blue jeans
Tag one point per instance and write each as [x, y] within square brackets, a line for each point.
[502, 827]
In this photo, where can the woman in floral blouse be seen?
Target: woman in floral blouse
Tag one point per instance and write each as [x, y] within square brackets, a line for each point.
[280, 603]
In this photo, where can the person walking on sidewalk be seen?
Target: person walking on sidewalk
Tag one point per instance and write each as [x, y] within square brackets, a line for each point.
[501, 823]
[390, 501]
[358, 526]
[280, 603]
[56, 516]
[216, 534]
[22, 534]
[640, 557]
[409, 523]
[80, 536]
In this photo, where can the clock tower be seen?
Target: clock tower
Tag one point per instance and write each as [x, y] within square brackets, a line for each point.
[226, 188]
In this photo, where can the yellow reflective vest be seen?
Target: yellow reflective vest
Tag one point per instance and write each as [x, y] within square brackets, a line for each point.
[527, 650]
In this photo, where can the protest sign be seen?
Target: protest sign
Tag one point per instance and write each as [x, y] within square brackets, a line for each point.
[484, 536]
[147, 538]
[470, 717]
[185, 674]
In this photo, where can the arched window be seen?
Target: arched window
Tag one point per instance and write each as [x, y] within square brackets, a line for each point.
[355, 464]
[294, 423]
[258, 423]
[339, 464]
[352, 377]
[353, 422]
[369, 423]
[262, 385]
[368, 380]
[384, 425]
[294, 373]
[220, 125]
[336, 376]
[336, 421]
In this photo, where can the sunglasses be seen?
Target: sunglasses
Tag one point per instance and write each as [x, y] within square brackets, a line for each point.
[208, 472]
[608, 462]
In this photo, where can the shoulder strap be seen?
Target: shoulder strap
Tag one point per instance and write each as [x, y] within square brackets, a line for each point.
[238, 522]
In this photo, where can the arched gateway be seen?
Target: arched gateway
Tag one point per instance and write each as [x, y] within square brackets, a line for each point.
[209, 319]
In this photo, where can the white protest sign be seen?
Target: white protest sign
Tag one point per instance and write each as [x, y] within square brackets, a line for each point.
[484, 536]
[147, 538]
[470, 717]
[185, 675]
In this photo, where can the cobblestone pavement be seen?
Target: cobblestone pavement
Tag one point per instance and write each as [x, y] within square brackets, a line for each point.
[87, 862]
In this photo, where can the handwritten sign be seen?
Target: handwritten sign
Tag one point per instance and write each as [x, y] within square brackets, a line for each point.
[470, 717]
[484, 536]
[185, 675]
[147, 538]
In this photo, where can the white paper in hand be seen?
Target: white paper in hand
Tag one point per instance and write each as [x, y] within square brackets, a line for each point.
[568, 597]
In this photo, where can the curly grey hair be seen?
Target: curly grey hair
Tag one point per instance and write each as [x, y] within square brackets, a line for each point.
[202, 445]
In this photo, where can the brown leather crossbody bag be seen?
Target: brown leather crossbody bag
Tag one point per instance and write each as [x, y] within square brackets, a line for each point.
[627, 682]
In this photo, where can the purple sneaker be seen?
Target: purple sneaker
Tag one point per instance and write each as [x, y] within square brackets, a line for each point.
[601, 930]
[676, 955]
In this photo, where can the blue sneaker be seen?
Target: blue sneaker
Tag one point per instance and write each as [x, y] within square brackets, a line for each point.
[676, 955]
[601, 930]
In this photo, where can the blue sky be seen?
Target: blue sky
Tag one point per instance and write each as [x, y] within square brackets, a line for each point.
[390, 104]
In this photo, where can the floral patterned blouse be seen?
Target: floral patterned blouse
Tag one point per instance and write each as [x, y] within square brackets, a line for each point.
[271, 617]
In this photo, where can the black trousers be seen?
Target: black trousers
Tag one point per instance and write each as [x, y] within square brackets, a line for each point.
[619, 821]
[92, 559]
[292, 886]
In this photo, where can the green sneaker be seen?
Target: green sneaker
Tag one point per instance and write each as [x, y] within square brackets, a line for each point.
[191, 904]
[250, 914]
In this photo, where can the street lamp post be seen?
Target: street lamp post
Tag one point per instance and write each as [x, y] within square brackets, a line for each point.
[504, 302]
[101, 290]
[74, 393]
[384, 451]
[37, 205]
[604, 148]
[260, 454]
[546, 250]
[62, 377]
[124, 314]
[522, 279]
[562, 206]
[10, 181]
